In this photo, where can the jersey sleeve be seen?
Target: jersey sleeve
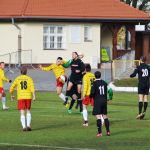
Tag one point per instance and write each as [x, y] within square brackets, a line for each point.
[67, 64]
[85, 87]
[31, 83]
[134, 73]
[3, 77]
[12, 87]
[47, 68]
[92, 93]
[109, 93]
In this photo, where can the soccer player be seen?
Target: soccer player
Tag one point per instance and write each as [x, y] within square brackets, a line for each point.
[3, 78]
[25, 92]
[59, 72]
[99, 93]
[77, 70]
[88, 79]
[143, 72]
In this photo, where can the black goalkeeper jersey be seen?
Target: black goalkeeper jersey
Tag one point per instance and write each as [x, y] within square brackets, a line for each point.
[143, 72]
[99, 91]
[77, 65]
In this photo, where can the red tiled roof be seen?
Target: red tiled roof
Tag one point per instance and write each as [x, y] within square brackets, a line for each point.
[100, 9]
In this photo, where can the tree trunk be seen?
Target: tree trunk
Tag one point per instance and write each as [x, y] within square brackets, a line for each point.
[134, 3]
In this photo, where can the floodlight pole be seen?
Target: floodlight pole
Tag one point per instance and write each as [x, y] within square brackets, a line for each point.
[19, 42]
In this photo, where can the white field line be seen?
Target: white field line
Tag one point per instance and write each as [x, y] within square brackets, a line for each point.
[43, 146]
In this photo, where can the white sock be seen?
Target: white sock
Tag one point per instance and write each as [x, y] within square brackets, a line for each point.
[4, 102]
[102, 120]
[62, 96]
[28, 116]
[85, 115]
[23, 121]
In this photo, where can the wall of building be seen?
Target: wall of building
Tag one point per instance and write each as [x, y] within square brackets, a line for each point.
[32, 38]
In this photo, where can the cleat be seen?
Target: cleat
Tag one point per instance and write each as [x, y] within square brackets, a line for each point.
[24, 129]
[67, 105]
[99, 134]
[5, 108]
[108, 133]
[69, 111]
[85, 124]
[138, 116]
[29, 129]
[142, 116]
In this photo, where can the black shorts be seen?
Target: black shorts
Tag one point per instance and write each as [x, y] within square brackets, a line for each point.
[76, 79]
[100, 108]
[143, 90]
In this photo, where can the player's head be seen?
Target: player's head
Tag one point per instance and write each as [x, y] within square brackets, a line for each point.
[23, 70]
[97, 74]
[87, 67]
[2, 65]
[74, 55]
[143, 59]
[80, 55]
[59, 61]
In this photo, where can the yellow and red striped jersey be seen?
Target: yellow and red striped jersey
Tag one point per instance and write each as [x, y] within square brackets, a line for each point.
[24, 85]
[3, 78]
[87, 80]
[57, 69]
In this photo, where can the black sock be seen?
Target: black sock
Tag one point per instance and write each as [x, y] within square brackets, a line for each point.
[140, 107]
[72, 103]
[107, 124]
[81, 106]
[67, 93]
[99, 125]
[145, 106]
[77, 104]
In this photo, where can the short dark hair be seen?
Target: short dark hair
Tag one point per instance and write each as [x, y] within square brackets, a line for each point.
[76, 53]
[88, 67]
[1, 62]
[97, 74]
[23, 70]
[143, 58]
[60, 58]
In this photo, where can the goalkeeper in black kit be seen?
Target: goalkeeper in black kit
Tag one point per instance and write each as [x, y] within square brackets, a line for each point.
[77, 71]
[143, 72]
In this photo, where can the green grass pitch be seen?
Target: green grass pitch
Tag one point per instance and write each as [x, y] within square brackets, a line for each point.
[55, 129]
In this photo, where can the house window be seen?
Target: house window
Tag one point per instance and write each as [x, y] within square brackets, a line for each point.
[123, 39]
[53, 37]
[87, 34]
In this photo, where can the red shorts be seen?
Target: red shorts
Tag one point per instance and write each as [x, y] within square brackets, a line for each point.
[1, 90]
[87, 100]
[59, 82]
[24, 104]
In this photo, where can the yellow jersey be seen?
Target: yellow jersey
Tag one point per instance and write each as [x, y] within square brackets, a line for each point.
[57, 69]
[3, 78]
[24, 85]
[87, 80]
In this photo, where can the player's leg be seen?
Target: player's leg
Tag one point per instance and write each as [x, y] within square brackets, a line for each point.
[85, 115]
[28, 118]
[99, 125]
[28, 114]
[4, 107]
[145, 106]
[59, 93]
[79, 87]
[141, 96]
[74, 97]
[70, 84]
[23, 119]
[106, 121]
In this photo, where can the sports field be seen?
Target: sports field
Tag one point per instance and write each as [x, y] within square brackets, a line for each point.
[53, 128]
